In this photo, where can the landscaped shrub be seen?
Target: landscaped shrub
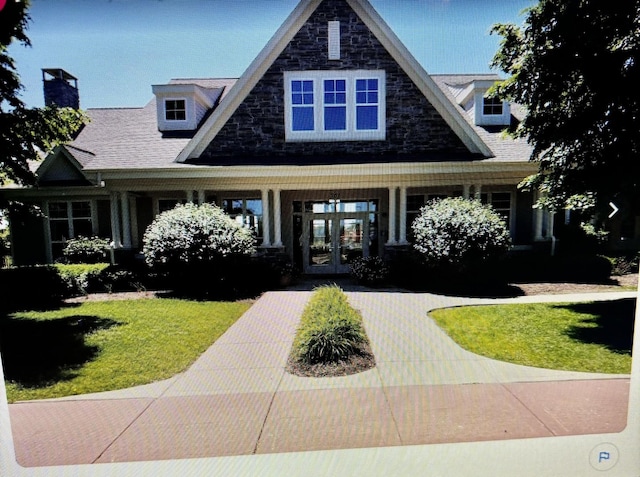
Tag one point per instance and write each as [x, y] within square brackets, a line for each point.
[457, 233]
[86, 250]
[371, 271]
[330, 329]
[82, 278]
[31, 287]
[199, 248]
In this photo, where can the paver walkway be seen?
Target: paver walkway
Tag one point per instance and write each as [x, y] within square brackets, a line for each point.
[236, 399]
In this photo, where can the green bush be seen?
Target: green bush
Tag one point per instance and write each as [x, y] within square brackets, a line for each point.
[369, 270]
[31, 287]
[458, 233]
[86, 250]
[199, 249]
[82, 278]
[330, 329]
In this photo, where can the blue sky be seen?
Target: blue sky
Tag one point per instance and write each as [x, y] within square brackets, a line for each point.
[119, 48]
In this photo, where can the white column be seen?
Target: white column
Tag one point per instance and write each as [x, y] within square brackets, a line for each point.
[266, 222]
[539, 221]
[133, 207]
[478, 191]
[115, 221]
[126, 220]
[466, 191]
[189, 195]
[277, 218]
[392, 216]
[202, 198]
[403, 215]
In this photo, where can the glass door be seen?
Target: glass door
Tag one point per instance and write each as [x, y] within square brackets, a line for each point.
[333, 241]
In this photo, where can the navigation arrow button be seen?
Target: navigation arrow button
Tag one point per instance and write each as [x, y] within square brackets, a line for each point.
[615, 209]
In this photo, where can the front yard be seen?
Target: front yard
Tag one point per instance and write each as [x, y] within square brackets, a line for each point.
[590, 337]
[106, 345]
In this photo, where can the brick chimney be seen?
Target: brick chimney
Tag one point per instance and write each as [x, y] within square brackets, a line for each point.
[60, 88]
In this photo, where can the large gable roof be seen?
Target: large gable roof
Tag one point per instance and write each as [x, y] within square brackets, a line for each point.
[281, 39]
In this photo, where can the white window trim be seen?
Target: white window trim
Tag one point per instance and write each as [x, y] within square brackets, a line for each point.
[351, 133]
[186, 112]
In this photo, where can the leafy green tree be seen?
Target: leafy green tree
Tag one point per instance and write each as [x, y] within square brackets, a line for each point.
[575, 66]
[25, 133]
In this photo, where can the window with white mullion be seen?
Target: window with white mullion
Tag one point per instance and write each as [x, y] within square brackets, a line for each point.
[302, 105]
[330, 105]
[335, 105]
[367, 104]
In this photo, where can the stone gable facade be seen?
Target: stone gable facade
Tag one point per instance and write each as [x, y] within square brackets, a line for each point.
[256, 131]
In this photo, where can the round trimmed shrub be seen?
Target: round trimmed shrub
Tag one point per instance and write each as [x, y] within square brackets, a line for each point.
[456, 233]
[197, 246]
[86, 250]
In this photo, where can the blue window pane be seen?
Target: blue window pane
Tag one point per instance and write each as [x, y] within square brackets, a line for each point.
[335, 119]
[366, 118]
[296, 98]
[341, 85]
[361, 85]
[307, 86]
[329, 98]
[329, 86]
[361, 98]
[372, 85]
[372, 98]
[296, 86]
[302, 119]
[341, 98]
[307, 98]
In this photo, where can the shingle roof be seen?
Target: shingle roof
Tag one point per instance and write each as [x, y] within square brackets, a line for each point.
[505, 148]
[128, 138]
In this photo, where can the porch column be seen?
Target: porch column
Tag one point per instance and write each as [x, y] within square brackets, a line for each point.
[277, 218]
[266, 222]
[189, 195]
[478, 191]
[392, 216]
[466, 191]
[115, 220]
[201, 197]
[403, 215]
[126, 220]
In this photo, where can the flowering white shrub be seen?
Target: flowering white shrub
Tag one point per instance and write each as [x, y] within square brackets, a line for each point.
[194, 234]
[458, 231]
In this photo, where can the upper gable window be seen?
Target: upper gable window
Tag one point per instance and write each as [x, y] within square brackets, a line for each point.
[175, 110]
[492, 106]
[335, 105]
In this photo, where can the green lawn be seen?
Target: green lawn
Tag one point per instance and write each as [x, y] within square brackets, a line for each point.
[591, 337]
[101, 346]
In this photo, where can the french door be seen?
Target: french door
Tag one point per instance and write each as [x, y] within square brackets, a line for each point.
[333, 240]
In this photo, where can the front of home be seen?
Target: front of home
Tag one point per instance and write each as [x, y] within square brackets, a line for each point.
[328, 146]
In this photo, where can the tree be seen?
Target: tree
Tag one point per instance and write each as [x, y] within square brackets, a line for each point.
[574, 65]
[25, 133]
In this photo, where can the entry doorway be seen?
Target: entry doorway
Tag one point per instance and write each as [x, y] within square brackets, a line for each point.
[334, 233]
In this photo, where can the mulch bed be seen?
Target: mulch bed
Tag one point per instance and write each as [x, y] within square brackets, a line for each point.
[356, 363]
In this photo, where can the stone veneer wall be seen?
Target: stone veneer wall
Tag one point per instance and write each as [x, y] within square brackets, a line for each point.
[257, 130]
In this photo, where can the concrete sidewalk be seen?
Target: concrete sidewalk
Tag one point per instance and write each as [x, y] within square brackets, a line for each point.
[237, 399]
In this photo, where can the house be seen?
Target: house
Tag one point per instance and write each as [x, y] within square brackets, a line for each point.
[328, 145]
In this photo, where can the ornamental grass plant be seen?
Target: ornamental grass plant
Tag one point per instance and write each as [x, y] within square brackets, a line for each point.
[330, 329]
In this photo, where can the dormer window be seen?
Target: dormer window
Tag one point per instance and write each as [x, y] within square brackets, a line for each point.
[175, 110]
[181, 106]
[492, 106]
